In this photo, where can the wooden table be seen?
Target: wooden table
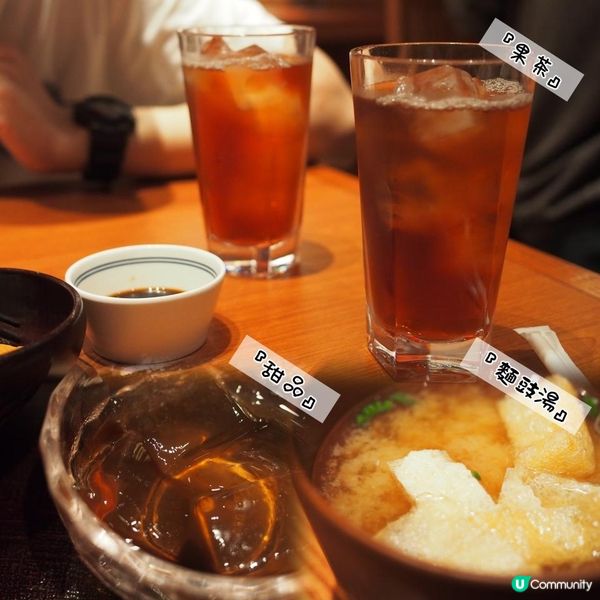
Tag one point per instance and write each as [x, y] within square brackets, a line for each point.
[316, 319]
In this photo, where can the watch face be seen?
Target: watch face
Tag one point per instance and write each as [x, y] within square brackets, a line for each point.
[110, 108]
[104, 112]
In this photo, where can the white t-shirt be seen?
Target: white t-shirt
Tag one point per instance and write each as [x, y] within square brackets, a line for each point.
[126, 48]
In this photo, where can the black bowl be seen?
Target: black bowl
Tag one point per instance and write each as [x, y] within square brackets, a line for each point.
[44, 316]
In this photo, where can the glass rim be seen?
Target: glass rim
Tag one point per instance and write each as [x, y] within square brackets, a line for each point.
[487, 59]
[241, 31]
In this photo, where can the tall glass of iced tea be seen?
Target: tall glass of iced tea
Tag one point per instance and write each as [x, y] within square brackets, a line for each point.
[440, 133]
[248, 91]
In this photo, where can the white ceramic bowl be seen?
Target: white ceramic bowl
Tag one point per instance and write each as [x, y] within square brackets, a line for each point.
[148, 330]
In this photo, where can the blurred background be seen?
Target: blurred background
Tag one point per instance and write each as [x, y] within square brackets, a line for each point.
[344, 24]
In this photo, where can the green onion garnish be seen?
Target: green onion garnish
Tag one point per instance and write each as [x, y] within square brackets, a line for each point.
[371, 410]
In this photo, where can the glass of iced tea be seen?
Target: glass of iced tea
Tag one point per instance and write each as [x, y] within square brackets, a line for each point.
[248, 91]
[440, 131]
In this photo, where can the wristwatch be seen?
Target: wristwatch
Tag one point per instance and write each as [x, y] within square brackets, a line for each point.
[110, 123]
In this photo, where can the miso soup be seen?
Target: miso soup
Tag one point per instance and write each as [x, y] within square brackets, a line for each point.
[463, 477]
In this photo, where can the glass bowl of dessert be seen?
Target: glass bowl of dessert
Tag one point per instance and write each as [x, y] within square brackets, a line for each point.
[171, 486]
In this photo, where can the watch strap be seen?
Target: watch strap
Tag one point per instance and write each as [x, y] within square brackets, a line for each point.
[106, 154]
[109, 122]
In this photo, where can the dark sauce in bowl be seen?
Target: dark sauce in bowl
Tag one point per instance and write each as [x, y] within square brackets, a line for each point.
[147, 292]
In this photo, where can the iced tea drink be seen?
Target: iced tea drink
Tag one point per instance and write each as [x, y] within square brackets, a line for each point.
[439, 153]
[248, 96]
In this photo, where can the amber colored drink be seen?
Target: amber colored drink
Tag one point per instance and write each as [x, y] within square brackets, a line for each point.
[439, 155]
[437, 188]
[250, 120]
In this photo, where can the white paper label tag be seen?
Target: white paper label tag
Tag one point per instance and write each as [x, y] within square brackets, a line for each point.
[525, 386]
[284, 379]
[531, 59]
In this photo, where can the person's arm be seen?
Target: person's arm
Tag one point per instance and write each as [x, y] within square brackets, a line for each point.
[161, 145]
[38, 132]
[41, 135]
